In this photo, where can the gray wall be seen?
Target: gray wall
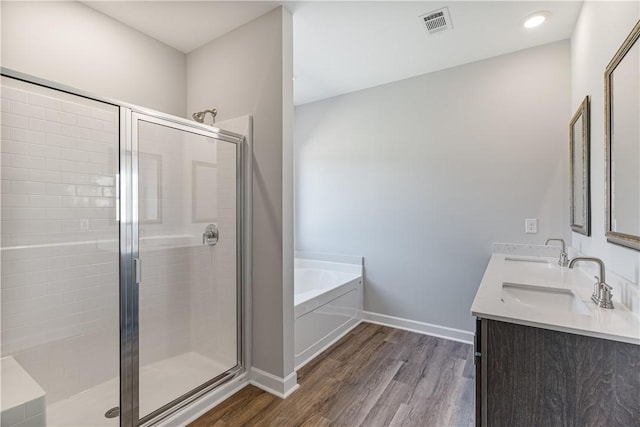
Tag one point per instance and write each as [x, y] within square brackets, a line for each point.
[599, 32]
[257, 58]
[420, 176]
[69, 43]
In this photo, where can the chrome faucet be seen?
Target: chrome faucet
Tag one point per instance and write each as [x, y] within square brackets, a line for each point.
[602, 293]
[564, 259]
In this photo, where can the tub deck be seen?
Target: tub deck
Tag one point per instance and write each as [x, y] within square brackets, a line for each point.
[328, 304]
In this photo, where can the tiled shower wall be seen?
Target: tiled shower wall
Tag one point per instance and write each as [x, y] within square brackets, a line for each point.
[59, 252]
[188, 294]
[213, 308]
[59, 237]
[164, 250]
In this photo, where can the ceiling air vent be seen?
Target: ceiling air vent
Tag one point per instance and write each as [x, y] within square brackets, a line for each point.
[437, 21]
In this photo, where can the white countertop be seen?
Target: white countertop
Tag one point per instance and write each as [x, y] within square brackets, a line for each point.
[619, 324]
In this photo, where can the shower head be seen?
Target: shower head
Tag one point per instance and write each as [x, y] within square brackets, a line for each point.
[199, 116]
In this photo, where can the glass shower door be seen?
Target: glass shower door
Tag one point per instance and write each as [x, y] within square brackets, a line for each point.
[59, 257]
[188, 334]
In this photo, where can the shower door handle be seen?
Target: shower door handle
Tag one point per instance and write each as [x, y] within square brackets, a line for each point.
[137, 270]
[210, 235]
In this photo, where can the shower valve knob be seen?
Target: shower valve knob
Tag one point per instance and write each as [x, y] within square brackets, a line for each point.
[210, 235]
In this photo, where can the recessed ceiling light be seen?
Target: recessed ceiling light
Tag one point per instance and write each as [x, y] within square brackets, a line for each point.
[536, 19]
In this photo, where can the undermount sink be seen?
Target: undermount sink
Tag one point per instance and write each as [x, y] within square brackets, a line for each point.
[543, 298]
[534, 260]
[533, 270]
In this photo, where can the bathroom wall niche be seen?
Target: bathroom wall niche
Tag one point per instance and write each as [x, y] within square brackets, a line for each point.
[579, 169]
[622, 133]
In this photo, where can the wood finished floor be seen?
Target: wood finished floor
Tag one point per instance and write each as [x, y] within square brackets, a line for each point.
[374, 376]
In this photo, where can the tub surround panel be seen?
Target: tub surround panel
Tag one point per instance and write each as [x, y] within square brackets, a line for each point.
[328, 304]
[319, 329]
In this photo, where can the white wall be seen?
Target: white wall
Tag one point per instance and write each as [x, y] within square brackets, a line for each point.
[257, 58]
[420, 176]
[599, 33]
[69, 43]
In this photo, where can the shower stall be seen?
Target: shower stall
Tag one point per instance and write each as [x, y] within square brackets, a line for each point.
[121, 258]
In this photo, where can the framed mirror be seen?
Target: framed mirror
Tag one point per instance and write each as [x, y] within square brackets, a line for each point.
[622, 133]
[579, 169]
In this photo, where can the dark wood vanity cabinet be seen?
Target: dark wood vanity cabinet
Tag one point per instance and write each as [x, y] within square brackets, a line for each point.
[528, 376]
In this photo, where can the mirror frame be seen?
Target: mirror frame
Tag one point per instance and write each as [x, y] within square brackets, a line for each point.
[615, 237]
[585, 145]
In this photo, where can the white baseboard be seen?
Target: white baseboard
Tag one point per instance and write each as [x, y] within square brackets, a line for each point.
[419, 327]
[281, 387]
[204, 404]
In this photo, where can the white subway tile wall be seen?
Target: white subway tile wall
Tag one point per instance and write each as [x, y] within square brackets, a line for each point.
[60, 243]
[59, 237]
[188, 290]
[216, 305]
[165, 250]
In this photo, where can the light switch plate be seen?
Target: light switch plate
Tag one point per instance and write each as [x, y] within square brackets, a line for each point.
[531, 225]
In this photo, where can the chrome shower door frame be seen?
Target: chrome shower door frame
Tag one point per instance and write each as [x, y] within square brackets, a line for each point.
[130, 260]
[127, 210]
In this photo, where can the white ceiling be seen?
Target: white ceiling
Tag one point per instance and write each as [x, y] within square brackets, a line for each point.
[341, 46]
